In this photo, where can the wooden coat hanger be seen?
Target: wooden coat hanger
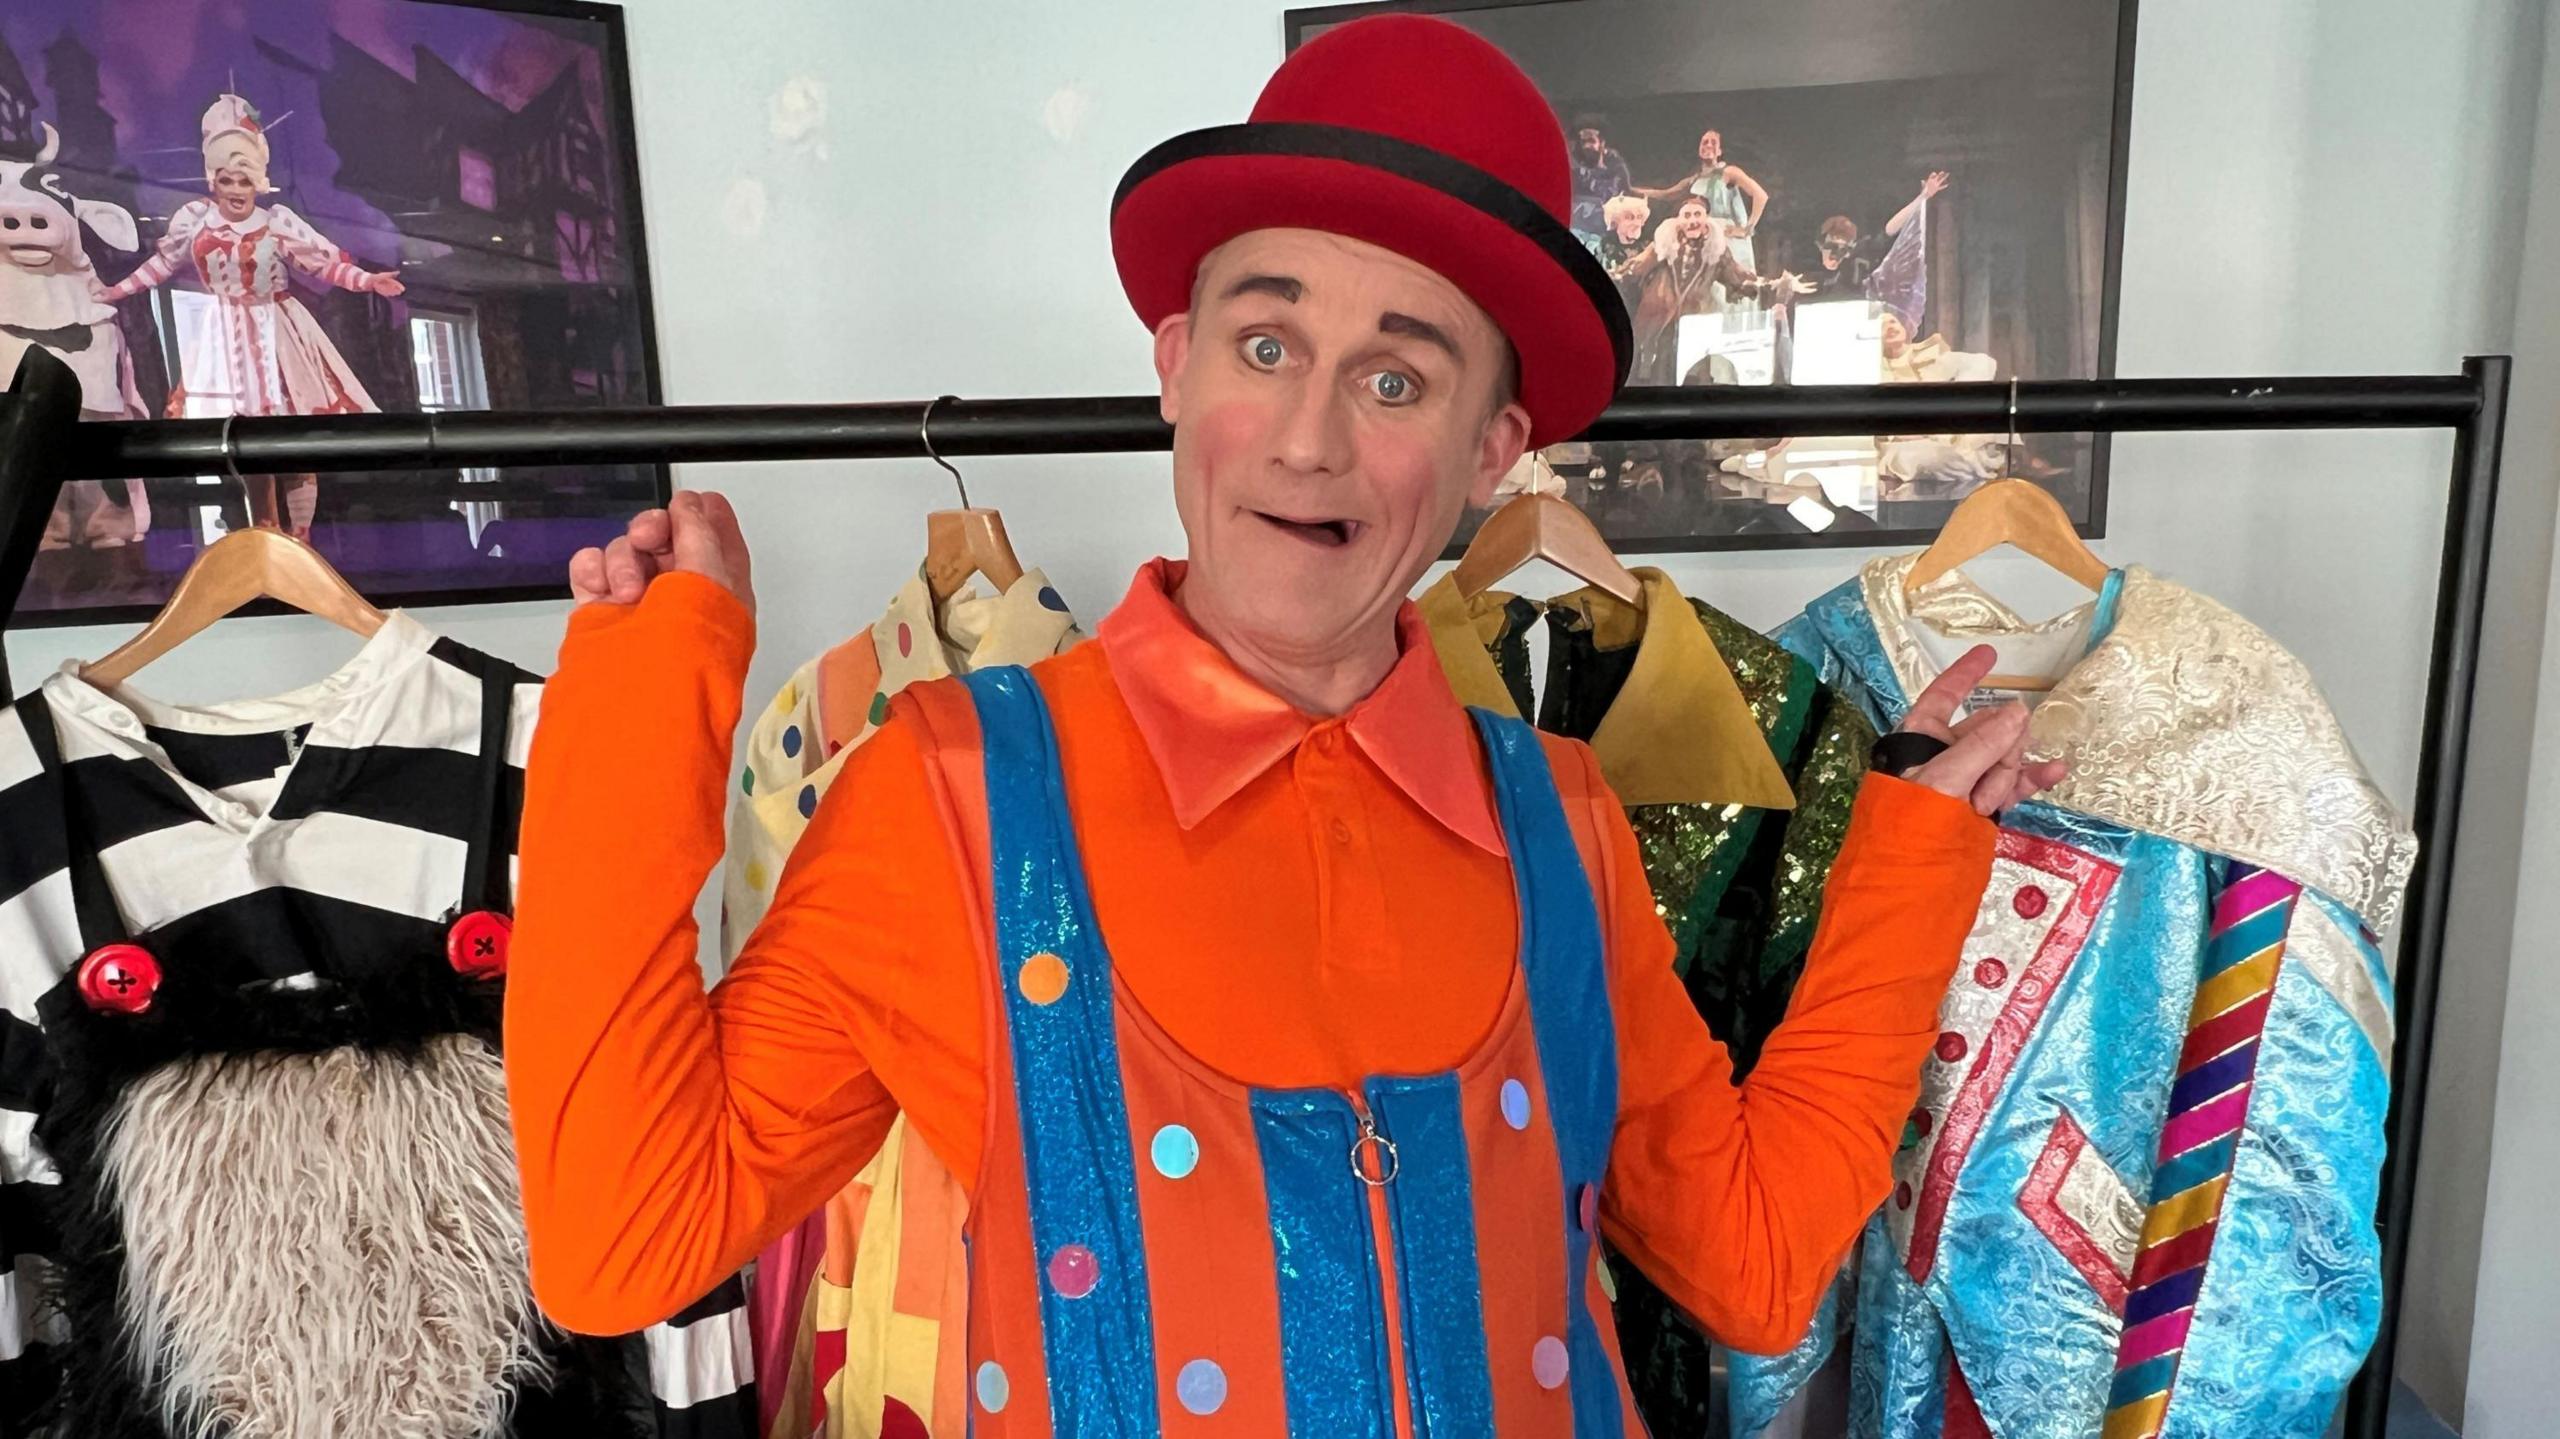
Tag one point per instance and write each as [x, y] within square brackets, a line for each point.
[2018, 513]
[242, 566]
[1541, 527]
[966, 541]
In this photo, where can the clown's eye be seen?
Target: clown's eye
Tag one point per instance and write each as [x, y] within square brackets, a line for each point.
[1394, 387]
[1264, 352]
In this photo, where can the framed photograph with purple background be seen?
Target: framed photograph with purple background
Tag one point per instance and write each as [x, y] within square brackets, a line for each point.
[1830, 192]
[317, 207]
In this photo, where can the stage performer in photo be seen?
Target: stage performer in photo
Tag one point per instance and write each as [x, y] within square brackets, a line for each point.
[1732, 196]
[1680, 274]
[47, 302]
[263, 353]
[1600, 175]
[1936, 466]
[1878, 267]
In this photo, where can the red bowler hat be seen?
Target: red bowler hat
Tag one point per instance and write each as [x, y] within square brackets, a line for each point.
[1412, 134]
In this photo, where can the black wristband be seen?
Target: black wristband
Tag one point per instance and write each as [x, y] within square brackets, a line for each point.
[1901, 752]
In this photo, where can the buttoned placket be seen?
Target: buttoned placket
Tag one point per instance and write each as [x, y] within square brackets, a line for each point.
[1351, 901]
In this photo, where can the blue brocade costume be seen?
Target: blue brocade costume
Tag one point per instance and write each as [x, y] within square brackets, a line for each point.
[2137, 1196]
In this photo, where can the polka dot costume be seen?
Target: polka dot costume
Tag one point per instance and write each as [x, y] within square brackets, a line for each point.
[832, 704]
[882, 1266]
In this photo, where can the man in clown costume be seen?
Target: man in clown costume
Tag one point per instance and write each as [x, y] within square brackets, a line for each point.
[1296, 1034]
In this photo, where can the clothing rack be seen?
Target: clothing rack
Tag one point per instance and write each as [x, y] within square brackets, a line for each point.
[41, 446]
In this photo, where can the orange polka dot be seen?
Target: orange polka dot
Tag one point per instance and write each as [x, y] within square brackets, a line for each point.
[1043, 978]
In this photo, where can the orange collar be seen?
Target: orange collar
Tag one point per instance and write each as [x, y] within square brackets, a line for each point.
[1212, 730]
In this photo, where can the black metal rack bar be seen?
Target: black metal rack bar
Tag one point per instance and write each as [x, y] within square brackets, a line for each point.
[2472, 404]
[1087, 425]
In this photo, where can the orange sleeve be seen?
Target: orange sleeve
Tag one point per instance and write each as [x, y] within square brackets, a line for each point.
[1740, 1202]
[665, 1134]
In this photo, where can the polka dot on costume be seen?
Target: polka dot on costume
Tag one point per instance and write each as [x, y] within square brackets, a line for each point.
[906, 640]
[1550, 1363]
[1515, 1104]
[1176, 1152]
[1902, 1195]
[1952, 1047]
[756, 875]
[1073, 1271]
[880, 709]
[808, 800]
[1922, 1121]
[1043, 978]
[1201, 1386]
[993, 1387]
[791, 742]
[1586, 1209]
[783, 702]
[2030, 901]
[1049, 600]
[1991, 974]
[746, 781]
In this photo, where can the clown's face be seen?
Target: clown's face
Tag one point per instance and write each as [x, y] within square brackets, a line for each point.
[1335, 408]
[235, 194]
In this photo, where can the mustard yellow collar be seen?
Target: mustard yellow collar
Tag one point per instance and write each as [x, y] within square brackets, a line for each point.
[1679, 732]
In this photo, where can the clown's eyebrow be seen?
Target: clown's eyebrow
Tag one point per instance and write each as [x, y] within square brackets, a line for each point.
[1279, 287]
[1392, 323]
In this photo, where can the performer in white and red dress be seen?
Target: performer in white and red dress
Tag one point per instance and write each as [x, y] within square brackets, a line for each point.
[263, 353]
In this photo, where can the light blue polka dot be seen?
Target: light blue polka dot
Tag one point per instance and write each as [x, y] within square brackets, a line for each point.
[808, 801]
[791, 742]
[1201, 1386]
[1515, 1104]
[993, 1388]
[1176, 1152]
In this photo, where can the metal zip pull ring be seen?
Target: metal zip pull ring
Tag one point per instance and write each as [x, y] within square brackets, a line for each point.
[1388, 1163]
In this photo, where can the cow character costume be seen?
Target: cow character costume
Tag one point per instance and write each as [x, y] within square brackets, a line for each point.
[49, 301]
[256, 958]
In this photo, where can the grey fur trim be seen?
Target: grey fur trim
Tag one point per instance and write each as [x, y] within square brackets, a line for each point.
[329, 1244]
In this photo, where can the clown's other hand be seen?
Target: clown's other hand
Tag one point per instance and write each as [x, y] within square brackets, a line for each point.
[1985, 763]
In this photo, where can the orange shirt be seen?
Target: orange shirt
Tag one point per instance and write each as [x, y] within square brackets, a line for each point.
[1297, 901]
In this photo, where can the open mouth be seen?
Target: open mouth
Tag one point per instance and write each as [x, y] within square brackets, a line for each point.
[1326, 534]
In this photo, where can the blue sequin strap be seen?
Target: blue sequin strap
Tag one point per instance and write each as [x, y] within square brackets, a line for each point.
[1563, 956]
[1096, 1323]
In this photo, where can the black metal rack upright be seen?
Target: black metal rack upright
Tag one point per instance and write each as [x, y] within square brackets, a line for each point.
[40, 447]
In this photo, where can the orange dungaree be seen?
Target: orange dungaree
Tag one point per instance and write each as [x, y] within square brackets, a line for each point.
[1297, 901]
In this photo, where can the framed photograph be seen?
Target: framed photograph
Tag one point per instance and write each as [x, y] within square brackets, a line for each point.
[314, 207]
[1836, 192]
